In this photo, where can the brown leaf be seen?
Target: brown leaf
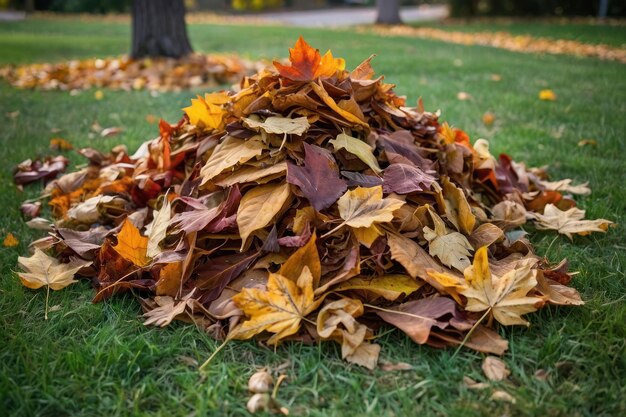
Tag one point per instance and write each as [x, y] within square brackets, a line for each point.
[495, 369]
[42, 270]
[569, 222]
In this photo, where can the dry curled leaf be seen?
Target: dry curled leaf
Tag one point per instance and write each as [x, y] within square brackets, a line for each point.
[42, 270]
[569, 222]
[495, 369]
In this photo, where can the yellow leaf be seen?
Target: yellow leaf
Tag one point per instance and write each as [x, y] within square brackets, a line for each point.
[391, 286]
[306, 256]
[131, 245]
[362, 207]
[259, 206]
[358, 148]
[228, 153]
[367, 235]
[547, 95]
[10, 241]
[205, 114]
[158, 228]
[253, 174]
[278, 310]
[98, 95]
[41, 270]
[505, 296]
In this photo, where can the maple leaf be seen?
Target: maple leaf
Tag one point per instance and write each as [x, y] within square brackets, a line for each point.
[505, 297]
[278, 310]
[131, 245]
[167, 309]
[307, 63]
[362, 207]
[42, 270]
[306, 256]
[319, 178]
[204, 113]
[568, 222]
[452, 248]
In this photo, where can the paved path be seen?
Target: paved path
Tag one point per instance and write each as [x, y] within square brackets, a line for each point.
[352, 16]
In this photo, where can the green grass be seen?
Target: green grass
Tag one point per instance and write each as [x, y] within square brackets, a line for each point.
[613, 35]
[99, 359]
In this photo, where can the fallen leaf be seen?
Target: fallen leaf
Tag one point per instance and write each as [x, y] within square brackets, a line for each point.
[358, 148]
[10, 241]
[98, 95]
[471, 384]
[503, 396]
[111, 131]
[307, 63]
[204, 114]
[391, 286]
[279, 125]
[404, 179]
[488, 118]
[278, 310]
[318, 179]
[259, 206]
[547, 95]
[397, 366]
[43, 270]
[495, 369]
[452, 248]
[228, 153]
[587, 142]
[568, 222]
[131, 245]
[463, 96]
[363, 207]
[168, 309]
[60, 144]
[506, 297]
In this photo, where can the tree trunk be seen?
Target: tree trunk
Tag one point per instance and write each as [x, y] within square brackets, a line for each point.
[388, 12]
[159, 29]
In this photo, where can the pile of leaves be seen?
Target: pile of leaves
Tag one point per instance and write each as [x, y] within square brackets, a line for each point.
[312, 204]
[155, 74]
[508, 41]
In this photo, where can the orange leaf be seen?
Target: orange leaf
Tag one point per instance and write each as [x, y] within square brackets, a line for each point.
[131, 245]
[10, 241]
[307, 64]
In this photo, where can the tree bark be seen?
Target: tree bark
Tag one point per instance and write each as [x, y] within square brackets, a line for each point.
[388, 12]
[159, 29]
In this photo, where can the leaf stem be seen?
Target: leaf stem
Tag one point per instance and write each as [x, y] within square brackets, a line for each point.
[45, 314]
[215, 352]
[467, 336]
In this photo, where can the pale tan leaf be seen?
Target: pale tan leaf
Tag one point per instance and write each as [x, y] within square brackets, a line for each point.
[158, 228]
[458, 210]
[228, 153]
[495, 369]
[40, 270]
[363, 207]
[452, 248]
[279, 125]
[569, 222]
[253, 174]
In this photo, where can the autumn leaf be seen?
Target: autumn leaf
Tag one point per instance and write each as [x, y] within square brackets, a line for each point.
[42, 270]
[495, 369]
[391, 286]
[363, 207]
[358, 148]
[415, 260]
[259, 206]
[405, 179]
[337, 321]
[228, 153]
[279, 125]
[307, 63]
[131, 245]
[458, 210]
[568, 222]
[417, 317]
[204, 113]
[10, 241]
[547, 95]
[505, 297]
[247, 174]
[318, 179]
[166, 309]
[158, 228]
[306, 256]
[452, 248]
[278, 310]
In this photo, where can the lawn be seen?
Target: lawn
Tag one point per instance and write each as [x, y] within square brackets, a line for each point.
[99, 359]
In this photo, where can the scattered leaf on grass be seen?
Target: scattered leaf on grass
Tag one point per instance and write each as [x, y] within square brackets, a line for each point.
[495, 369]
[547, 95]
